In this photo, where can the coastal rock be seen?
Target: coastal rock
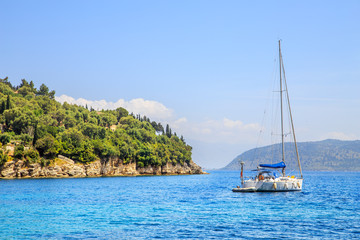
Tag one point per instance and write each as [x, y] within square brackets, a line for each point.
[77, 171]
[8, 170]
[115, 167]
[93, 169]
[23, 172]
[130, 169]
[171, 169]
[150, 170]
[65, 167]
[35, 170]
[50, 172]
[195, 169]
[68, 160]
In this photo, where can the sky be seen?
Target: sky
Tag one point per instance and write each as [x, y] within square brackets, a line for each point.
[206, 68]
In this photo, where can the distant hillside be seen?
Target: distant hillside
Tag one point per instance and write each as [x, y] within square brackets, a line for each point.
[327, 155]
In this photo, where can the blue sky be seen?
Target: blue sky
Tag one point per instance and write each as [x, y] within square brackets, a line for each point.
[205, 67]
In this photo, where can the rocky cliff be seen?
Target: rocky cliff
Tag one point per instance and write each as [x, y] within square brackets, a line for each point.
[63, 167]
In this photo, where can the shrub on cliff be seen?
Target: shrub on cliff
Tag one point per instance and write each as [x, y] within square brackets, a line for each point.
[19, 152]
[31, 155]
[3, 157]
[4, 138]
[48, 146]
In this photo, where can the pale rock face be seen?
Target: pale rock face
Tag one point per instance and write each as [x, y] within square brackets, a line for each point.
[23, 172]
[150, 170]
[8, 170]
[34, 170]
[93, 169]
[77, 171]
[65, 167]
[130, 169]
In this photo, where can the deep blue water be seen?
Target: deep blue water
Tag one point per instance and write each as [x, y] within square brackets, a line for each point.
[178, 207]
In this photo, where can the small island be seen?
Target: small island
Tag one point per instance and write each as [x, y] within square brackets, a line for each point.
[42, 138]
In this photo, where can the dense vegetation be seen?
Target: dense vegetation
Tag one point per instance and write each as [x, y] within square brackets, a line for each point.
[327, 155]
[40, 128]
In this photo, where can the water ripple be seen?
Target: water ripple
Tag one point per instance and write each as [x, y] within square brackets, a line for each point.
[178, 207]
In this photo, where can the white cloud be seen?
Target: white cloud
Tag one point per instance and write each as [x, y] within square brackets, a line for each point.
[240, 125]
[151, 109]
[179, 123]
[232, 124]
[221, 131]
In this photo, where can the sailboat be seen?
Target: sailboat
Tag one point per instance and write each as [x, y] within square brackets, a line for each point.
[272, 177]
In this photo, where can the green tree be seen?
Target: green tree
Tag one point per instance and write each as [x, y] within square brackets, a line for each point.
[32, 85]
[19, 152]
[3, 157]
[59, 115]
[2, 107]
[104, 149]
[157, 126]
[8, 102]
[93, 131]
[31, 155]
[76, 146]
[51, 94]
[46, 104]
[24, 83]
[86, 153]
[44, 90]
[25, 139]
[168, 131]
[26, 90]
[69, 122]
[23, 122]
[5, 87]
[36, 134]
[9, 117]
[121, 112]
[4, 138]
[106, 120]
[6, 82]
[47, 146]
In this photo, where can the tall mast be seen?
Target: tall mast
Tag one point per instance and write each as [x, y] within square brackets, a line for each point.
[282, 114]
[292, 123]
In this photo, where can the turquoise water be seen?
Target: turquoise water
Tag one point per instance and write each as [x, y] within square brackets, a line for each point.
[178, 207]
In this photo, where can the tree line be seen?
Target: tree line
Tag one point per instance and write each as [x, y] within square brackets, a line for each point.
[41, 128]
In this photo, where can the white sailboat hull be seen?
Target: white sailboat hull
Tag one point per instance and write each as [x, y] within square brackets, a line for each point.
[282, 184]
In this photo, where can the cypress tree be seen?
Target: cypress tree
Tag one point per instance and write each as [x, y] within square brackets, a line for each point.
[32, 85]
[167, 131]
[2, 107]
[35, 135]
[8, 103]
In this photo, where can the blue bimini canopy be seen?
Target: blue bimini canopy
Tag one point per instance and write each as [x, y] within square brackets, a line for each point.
[276, 165]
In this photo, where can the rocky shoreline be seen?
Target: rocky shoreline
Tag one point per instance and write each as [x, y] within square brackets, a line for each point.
[63, 167]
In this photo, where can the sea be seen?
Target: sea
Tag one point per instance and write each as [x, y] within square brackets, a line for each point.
[179, 207]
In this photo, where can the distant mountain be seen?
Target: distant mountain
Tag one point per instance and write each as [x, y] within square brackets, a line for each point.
[327, 155]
